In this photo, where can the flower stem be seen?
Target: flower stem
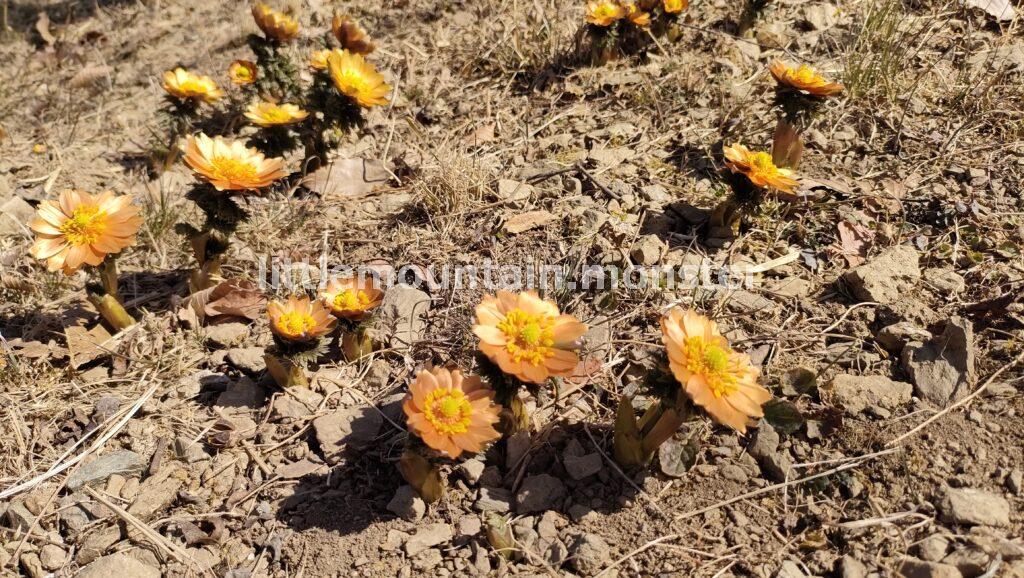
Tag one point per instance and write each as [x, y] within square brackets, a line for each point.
[112, 311]
[286, 372]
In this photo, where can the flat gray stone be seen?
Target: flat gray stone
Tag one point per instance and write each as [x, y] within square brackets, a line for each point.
[96, 472]
[974, 507]
[859, 392]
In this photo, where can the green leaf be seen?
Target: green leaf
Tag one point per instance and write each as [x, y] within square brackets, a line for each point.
[783, 416]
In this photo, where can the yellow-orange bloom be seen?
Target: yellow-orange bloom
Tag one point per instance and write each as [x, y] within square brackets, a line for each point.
[318, 59]
[185, 85]
[80, 228]
[357, 79]
[637, 16]
[300, 319]
[760, 169]
[274, 24]
[803, 79]
[268, 114]
[350, 297]
[242, 72]
[715, 377]
[230, 165]
[675, 6]
[451, 413]
[351, 36]
[604, 12]
[527, 337]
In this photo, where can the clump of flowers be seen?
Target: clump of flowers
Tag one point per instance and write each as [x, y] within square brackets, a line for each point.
[298, 325]
[615, 28]
[529, 340]
[759, 169]
[80, 229]
[800, 92]
[353, 300]
[185, 92]
[451, 414]
[706, 372]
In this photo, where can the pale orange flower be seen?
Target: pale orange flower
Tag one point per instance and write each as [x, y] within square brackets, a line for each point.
[185, 85]
[351, 36]
[80, 228]
[760, 169]
[300, 319]
[675, 6]
[350, 298]
[230, 165]
[451, 413]
[357, 79]
[714, 376]
[635, 15]
[527, 336]
[318, 59]
[604, 12]
[242, 72]
[803, 79]
[267, 114]
[274, 24]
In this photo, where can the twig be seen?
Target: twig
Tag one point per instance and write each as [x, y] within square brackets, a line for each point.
[646, 546]
[963, 401]
[60, 467]
[158, 539]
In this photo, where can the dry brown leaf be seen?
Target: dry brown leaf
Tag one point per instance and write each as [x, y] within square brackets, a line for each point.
[90, 76]
[854, 241]
[787, 148]
[85, 345]
[231, 298]
[348, 178]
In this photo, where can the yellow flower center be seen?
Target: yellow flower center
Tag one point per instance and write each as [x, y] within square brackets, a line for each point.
[295, 322]
[762, 163]
[276, 115]
[243, 73]
[530, 337]
[232, 169]
[85, 226]
[804, 75]
[355, 79]
[193, 86]
[351, 300]
[711, 362]
[448, 410]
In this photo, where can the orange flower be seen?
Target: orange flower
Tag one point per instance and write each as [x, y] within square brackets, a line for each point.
[635, 15]
[351, 36]
[318, 59]
[604, 12]
[267, 114]
[357, 79]
[185, 85]
[675, 6]
[803, 79]
[451, 413]
[759, 168]
[715, 377]
[527, 337]
[242, 72]
[274, 24]
[300, 319]
[80, 228]
[230, 165]
[351, 298]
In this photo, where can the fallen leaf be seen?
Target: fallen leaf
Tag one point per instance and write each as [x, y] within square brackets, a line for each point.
[90, 76]
[348, 178]
[86, 345]
[854, 241]
[787, 148]
[1001, 10]
[231, 298]
[482, 135]
[526, 221]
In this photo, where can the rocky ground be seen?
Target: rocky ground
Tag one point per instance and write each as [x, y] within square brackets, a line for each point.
[885, 314]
